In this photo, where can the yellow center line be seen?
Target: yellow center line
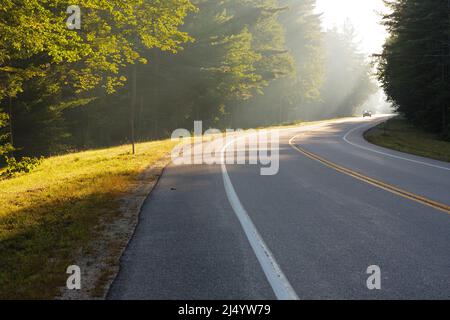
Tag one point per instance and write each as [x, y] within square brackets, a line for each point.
[372, 181]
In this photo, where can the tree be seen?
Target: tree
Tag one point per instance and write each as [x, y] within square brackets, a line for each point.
[348, 82]
[5, 146]
[293, 96]
[238, 49]
[36, 44]
[414, 65]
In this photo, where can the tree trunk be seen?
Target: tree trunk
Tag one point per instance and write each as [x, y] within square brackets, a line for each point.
[11, 133]
[140, 117]
[133, 108]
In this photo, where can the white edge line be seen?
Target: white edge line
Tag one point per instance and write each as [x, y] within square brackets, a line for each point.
[384, 153]
[278, 281]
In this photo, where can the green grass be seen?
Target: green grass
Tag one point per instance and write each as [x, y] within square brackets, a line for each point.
[48, 216]
[399, 135]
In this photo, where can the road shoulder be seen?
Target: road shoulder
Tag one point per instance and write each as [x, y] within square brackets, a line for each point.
[398, 135]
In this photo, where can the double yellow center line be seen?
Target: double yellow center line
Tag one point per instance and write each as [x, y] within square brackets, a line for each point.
[371, 181]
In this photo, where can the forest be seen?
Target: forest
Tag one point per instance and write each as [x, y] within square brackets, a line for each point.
[414, 66]
[138, 69]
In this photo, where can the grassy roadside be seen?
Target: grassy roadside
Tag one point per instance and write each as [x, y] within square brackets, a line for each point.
[49, 216]
[397, 134]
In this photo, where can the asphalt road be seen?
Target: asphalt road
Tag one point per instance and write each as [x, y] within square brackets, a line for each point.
[308, 232]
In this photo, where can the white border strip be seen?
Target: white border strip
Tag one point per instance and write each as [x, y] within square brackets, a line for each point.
[384, 153]
[278, 281]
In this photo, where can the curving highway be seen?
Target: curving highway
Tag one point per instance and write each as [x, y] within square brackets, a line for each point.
[337, 206]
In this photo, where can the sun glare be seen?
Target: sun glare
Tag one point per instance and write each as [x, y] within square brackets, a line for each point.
[363, 14]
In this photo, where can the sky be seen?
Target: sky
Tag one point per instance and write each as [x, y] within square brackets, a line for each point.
[362, 14]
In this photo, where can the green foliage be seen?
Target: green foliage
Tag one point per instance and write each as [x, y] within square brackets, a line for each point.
[36, 41]
[46, 68]
[5, 147]
[289, 97]
[414, 65]
[25, 165]
[239, 49]
[237, 70]
[322, 59]
[306, 41]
